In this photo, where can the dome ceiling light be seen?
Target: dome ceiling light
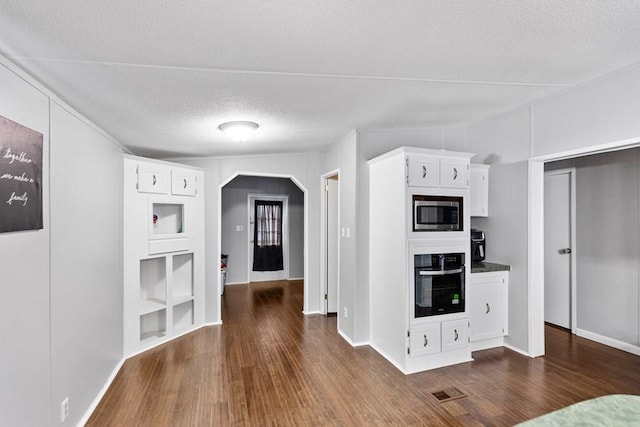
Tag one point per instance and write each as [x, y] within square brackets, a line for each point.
[238, 131]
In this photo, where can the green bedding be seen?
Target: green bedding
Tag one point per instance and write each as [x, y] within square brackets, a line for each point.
[612, 410]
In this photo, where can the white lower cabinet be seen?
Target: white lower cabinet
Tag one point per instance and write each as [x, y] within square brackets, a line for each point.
[424, 340]
[455, 335]
[438, 343]
[488, 299]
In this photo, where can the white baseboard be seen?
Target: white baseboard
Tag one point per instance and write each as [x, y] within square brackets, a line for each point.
[101, 393]
[295, 278]
[310, 313]
[388, 359]
[218, 323]
[517, 350]
[620, 345]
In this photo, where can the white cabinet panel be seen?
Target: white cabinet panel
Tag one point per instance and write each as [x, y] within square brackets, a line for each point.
[183, 183]
[425, 340]
[487, 299]
[153, 179]
[454, 173]
[455, 334]
[479, 190]
[423, 171]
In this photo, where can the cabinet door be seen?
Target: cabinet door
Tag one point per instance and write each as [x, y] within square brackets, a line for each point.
[183, 182]
[479, 191]
[487, 300]
[153, 179]
[424, 340]
[423, 171]
[455, 334]
[454, 173]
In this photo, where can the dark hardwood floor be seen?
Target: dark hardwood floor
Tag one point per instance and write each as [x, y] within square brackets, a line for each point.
[268, 365]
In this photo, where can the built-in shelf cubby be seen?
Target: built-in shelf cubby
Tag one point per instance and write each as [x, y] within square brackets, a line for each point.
[153, 325]
[153, 285]
[183, 315]
[166, 219]
[182, 277]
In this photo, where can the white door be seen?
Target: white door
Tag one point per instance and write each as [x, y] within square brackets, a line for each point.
[333, 232]
[558, 247]
[263, 276]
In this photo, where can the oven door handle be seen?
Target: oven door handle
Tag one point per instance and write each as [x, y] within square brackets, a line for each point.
[440, 272]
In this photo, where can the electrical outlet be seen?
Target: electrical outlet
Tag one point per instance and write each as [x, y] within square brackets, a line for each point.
[64, 409]
[345, 312]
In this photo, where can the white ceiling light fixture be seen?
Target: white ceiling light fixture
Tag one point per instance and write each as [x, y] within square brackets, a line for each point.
[238, 131]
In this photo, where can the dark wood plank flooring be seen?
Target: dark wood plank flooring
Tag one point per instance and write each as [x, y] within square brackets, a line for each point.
[268, 365]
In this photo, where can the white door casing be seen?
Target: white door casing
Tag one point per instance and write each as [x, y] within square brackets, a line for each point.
[332, 230]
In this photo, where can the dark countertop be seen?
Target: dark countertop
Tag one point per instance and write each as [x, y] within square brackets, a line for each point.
[486, 267]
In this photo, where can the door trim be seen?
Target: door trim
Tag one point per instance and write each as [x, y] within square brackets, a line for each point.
[323, 241]
[573, 284]
[536, 227]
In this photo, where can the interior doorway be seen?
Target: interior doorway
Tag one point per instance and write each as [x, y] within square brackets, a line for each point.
[560, 248]
[331, 236]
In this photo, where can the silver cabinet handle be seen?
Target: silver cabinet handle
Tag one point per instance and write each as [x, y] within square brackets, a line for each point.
[154, 179]
[440, 272]
[564, 251]
[455, 173]
[424, 171]
[185, 182]
[455, 331]
[426, 340]
[488, 309]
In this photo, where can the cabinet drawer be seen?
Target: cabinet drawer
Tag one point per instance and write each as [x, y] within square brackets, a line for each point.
[423, 171]
[454, 173]
[424, 340]
[153, 179]
[455, 334]
[183, 183]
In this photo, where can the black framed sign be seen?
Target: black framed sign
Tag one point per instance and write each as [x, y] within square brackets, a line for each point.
[20, 177]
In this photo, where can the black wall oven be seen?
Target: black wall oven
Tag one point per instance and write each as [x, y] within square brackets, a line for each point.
[437, 213]
[439, 284]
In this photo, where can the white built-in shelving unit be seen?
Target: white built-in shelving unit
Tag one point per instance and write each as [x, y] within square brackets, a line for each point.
[163, 252]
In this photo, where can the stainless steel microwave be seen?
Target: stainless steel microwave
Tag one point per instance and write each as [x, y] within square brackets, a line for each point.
[437, 213]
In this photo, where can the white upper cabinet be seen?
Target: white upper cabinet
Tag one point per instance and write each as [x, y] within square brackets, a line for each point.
[437, 172]
[423, 171]
[183, 182]
[479, 190]
[454, 173]
[153, 178]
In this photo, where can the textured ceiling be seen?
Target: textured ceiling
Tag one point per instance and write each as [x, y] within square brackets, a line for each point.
[160, 76]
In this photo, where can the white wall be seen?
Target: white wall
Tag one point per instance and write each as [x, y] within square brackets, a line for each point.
[61, 324]
[305, 168]
[503, 142]
[86, 262]
[25, 383]
[342, 155]
[235, 213]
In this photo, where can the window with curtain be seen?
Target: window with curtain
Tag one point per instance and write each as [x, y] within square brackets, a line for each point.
[267, 236]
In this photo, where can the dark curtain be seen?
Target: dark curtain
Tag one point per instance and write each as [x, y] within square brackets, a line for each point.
[267, 236]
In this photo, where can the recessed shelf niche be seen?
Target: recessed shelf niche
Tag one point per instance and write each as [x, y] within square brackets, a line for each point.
[182, 277]
[166, 218]
[183, 315]
[153, 284]
[153, 325]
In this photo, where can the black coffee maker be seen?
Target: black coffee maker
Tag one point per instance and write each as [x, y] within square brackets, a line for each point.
[478, 245]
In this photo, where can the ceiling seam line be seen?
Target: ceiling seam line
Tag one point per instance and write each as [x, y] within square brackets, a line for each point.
[291, 73]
